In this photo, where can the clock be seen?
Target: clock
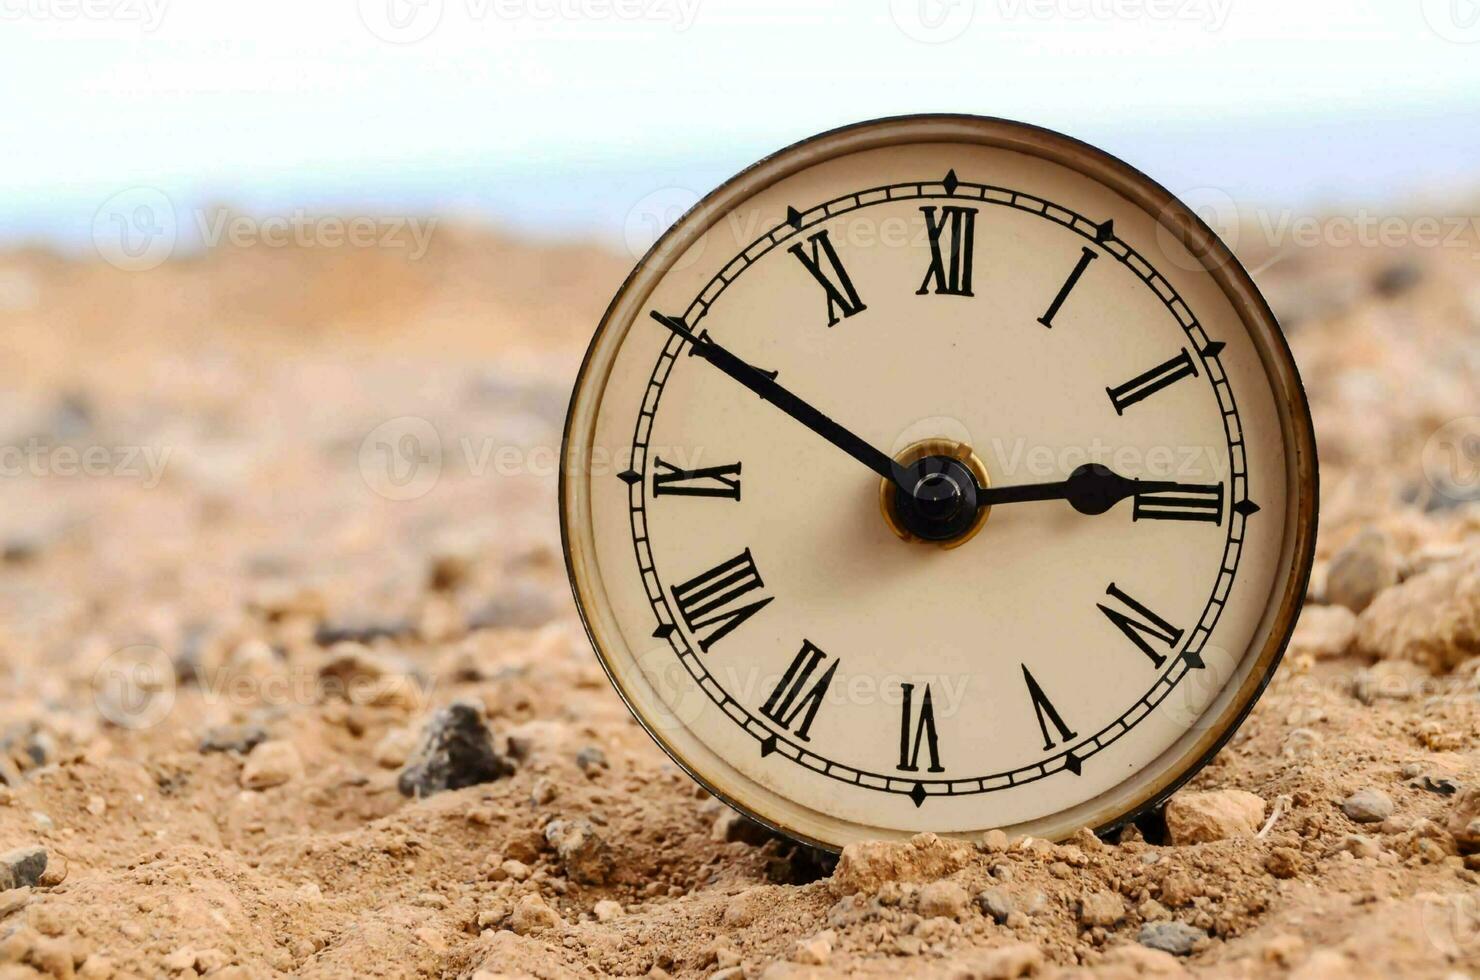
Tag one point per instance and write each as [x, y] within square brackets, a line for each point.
[939, 473]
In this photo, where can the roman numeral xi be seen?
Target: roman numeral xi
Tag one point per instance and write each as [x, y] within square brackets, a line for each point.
[823, 263]
[708, 481]
[712, 600]
[950, 271]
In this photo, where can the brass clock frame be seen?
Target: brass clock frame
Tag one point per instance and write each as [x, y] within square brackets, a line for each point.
[1139, 792]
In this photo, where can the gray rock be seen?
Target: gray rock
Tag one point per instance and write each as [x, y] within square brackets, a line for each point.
[1177, 938]
[583, 853]
[232, 738]
[1362, 569]
[1368, 806]
[22, 867]
[994, 902]
[456, 750]
[591, 758]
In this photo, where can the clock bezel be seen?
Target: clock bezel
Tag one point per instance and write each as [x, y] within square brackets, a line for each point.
[1173, 767]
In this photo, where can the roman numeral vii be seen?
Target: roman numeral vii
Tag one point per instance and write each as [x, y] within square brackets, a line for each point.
[833, 279]
[711, 600]
[792, 696]
[923, 733]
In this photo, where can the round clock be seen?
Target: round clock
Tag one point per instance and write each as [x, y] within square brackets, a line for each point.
[939, 473]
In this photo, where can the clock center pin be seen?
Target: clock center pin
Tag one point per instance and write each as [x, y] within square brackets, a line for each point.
[942, 477]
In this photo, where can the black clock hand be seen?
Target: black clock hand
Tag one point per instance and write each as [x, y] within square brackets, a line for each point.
[1090, 489]
[764, 385]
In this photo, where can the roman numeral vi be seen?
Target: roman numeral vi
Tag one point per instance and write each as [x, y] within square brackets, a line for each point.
[709, 600]
[834, 279]
[923, 734]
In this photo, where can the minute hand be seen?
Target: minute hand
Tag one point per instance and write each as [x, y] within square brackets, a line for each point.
[765, 386]
[1090, 489]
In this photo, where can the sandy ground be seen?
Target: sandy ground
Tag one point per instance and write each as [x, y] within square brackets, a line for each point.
[268, 510]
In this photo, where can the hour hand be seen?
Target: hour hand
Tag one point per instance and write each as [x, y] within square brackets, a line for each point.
[1090, 489]
[764, 384]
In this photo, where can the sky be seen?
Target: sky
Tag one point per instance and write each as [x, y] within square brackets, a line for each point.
[561, 114]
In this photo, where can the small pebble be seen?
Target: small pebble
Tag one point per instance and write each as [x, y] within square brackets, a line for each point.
[1177, 938]
[606, 910]
[1101, 908]
[1368, 806]
[22, 867]
[995, 903]
[945, 899]
[270, 764]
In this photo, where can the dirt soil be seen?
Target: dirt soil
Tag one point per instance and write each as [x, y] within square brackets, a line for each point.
[268, 512]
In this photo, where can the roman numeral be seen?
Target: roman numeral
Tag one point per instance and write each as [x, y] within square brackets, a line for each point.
[1184, 502]
[834, 280]
[952, 275]
[709, 481]
[1142, 385]
[708, 600]
[789, 699]
[923, 732]
[1045, 711]
[1085, 258]
[1141, 630]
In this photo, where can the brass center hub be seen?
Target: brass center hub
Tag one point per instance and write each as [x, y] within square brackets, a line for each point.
[941, 508]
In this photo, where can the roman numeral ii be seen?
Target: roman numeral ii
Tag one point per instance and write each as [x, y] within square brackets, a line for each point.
[1152, 381]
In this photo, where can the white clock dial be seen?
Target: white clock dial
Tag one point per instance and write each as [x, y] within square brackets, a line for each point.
[940, 474]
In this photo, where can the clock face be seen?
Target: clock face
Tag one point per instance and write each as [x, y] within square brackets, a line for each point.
[939, 473]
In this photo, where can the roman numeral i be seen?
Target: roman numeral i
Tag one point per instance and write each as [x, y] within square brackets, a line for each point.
[841, 295]
[709, 599]
[950, 271]
[792, 697]
[923, 733]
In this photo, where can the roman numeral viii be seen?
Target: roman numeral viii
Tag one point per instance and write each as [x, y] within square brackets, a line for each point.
[711, 599]
[1142, 627]
[950, 271]
[923, 733]
[1149, 383]
[792, 697]
[1184, 502]
[834, 278]
[709, 481]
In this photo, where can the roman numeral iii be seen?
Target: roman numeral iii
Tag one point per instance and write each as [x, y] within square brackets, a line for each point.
[711, 599]
[1185, 502]
[834, 278]
[1149, 383]
[923, 733]
[1044, 709]
[1142, 627]
[949, 270]
[792, 697]
[708, 481]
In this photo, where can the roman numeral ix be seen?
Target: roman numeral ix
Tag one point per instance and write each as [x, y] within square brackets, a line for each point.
[922, 735]
[834, 279]
[1149, 383]
[1184, 502]
[950, 272]
[1143, 627]
[709, 600]
[708, 481]
[792, 697]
